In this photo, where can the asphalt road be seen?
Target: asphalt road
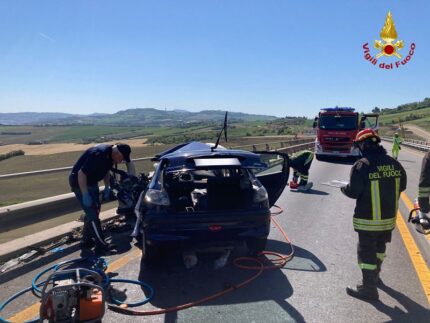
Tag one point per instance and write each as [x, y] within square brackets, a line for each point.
[310, 288]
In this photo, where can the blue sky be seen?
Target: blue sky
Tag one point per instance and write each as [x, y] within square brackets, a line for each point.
[273, 57]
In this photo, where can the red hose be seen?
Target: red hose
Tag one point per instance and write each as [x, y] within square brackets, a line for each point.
[276, 263]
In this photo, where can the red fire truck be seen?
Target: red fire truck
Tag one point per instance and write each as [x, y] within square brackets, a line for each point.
[336, 129]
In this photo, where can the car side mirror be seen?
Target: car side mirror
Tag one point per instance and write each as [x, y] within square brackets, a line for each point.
[314, 125]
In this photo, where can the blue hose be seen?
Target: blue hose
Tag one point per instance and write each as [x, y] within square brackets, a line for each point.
[136, 282]
[13, 297]
[72, 261]
[34, 285]
[99, 265]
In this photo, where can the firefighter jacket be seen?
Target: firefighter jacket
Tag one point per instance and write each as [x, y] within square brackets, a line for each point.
[302, 161]
[424, 185]
[376, 181]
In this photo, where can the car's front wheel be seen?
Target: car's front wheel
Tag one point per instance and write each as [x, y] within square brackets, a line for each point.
[256, 245]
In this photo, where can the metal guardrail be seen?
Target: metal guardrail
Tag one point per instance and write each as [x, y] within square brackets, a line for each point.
[415, 144]
[275, 145]
[50, 171]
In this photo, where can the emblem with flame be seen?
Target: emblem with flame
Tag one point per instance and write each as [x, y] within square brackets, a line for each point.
[389, 35]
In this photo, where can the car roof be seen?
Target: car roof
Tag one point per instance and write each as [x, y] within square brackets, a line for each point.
[184, 155]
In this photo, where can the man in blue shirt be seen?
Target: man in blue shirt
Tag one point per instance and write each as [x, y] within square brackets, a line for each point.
[92, 167]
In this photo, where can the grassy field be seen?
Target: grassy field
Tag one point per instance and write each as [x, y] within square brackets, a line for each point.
[78, 133]
[391, 122]
[51, 134]
[419, 117]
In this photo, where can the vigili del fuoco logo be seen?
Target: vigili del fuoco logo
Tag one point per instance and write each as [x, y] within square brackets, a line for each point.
[389, 46]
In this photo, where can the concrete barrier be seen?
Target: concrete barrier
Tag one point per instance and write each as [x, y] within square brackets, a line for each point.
[17, 247]
[22, 214]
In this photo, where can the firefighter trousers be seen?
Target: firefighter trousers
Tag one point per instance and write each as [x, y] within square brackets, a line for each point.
[371, 253]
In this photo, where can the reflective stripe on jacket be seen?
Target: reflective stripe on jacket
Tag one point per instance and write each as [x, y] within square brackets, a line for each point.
[376, 181]
[302, 161]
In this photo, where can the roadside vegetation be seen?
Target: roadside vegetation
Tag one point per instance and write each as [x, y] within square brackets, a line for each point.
[11, 154]
[415, 113]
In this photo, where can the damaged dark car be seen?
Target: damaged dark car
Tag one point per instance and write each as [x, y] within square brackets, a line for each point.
[201, 196]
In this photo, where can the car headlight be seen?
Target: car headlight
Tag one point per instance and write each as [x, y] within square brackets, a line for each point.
[157, 197]
[260, 194]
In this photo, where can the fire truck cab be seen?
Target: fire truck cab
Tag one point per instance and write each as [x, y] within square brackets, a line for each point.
[336, 129]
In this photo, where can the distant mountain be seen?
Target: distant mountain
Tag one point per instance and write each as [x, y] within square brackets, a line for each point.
[130, 117]
[22, 118]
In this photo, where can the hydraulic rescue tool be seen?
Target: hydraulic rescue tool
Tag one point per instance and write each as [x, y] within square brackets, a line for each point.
[74, 295]
[421, 222]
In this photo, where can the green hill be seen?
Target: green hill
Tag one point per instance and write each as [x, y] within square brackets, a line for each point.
[130, 117]
[410, 116]
[417, 113]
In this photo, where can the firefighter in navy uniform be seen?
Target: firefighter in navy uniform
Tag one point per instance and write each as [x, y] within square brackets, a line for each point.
[301, 162]
[93, 166]
[424, 193]
[376, 181]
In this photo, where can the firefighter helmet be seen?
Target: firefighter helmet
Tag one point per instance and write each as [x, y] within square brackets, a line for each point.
[367, 134]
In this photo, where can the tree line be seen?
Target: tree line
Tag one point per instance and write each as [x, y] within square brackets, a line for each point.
[11, 154]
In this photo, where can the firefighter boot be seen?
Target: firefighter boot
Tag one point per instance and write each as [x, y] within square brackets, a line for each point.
[294, 183]
[102, 247]
[367, 291]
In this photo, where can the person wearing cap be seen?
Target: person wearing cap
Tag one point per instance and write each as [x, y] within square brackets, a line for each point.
[396, 146]
[376, 181]
[93, 166]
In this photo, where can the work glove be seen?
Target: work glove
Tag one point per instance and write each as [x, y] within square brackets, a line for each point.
[86, 199]
[106, 193]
